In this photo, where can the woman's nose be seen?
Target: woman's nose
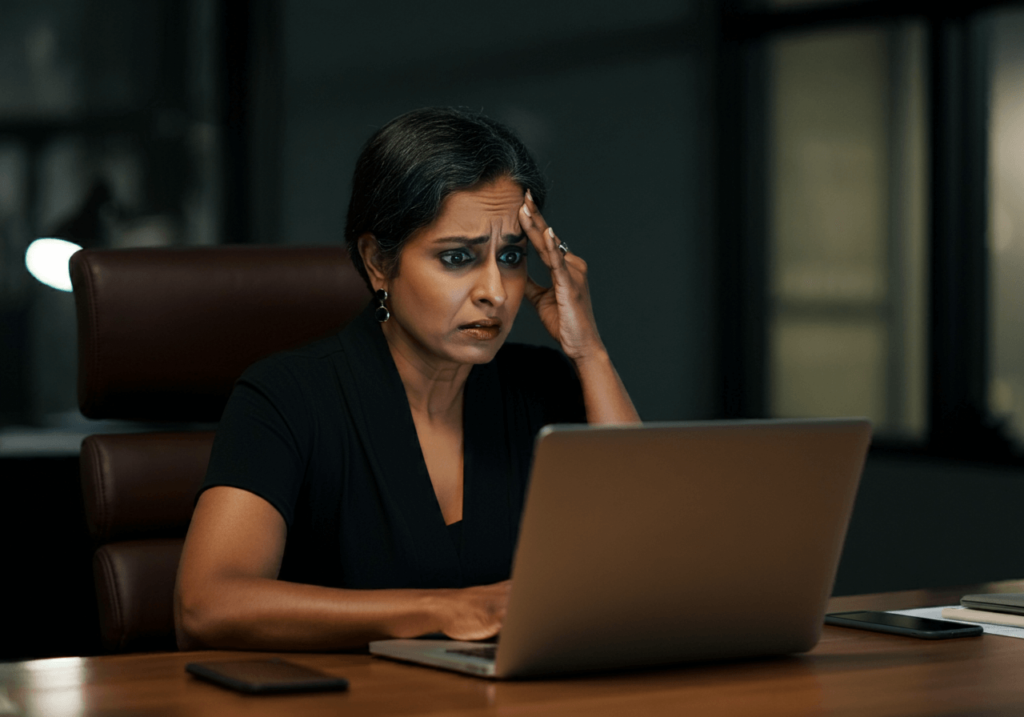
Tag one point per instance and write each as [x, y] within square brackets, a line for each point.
[489, 286]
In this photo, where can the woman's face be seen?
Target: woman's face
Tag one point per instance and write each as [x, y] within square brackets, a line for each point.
[461, 279]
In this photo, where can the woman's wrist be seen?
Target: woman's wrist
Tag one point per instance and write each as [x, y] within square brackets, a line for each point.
[595, 355]
[436, 606]
[440, 607]
[415, 613]
[604, 397]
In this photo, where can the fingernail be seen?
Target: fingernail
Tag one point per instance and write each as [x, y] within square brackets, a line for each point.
[528, 195]
[551, 232]
[526, 210]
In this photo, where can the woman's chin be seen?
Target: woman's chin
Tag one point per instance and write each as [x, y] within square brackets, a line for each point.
[478, 350]
[481, 356]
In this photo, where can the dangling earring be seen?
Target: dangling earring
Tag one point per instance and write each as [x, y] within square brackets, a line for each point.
[381, 313]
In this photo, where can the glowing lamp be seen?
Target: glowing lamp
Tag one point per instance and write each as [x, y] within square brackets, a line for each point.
[47, 260]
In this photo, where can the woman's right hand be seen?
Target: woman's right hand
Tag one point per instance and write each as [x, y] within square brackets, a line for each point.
[475, 613]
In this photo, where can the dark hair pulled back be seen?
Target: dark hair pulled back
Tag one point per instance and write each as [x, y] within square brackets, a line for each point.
[410, 165]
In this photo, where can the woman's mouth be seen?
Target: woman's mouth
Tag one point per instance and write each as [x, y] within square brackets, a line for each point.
[484, 330]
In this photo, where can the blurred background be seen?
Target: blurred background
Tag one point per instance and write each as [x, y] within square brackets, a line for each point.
[789, 208]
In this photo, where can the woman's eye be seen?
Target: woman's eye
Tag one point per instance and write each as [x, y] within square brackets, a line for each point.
[513, 256]
[458, 257]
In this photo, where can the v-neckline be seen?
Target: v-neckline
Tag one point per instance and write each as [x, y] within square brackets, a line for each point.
[377, 399]
[462, 448]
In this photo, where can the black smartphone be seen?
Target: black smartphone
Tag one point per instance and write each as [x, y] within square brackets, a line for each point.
[908, 625]
[265, 676]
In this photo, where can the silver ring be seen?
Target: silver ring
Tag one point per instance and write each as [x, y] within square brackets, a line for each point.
[563, 247]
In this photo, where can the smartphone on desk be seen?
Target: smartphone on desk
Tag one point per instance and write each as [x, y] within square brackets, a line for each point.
[265, 676]
[908, 625]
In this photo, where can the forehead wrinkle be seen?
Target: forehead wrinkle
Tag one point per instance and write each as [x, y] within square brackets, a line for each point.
[500, 203]
[489, 211]
[500, 194]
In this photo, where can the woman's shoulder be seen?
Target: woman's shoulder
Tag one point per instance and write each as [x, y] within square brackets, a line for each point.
[312, 362]
[322, 358]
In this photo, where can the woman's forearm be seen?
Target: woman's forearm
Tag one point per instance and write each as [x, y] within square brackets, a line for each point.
[228, 595]
[262, 613]
[267, 614]
[604, 396]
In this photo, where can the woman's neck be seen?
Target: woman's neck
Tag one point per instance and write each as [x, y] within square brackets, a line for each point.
[434, 388]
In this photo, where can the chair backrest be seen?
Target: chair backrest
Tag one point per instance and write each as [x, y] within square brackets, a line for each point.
[139, 491]
[162, 336]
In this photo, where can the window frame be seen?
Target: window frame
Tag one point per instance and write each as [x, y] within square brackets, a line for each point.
[959, 424]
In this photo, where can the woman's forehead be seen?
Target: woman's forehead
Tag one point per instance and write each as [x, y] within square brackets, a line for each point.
[479, 211]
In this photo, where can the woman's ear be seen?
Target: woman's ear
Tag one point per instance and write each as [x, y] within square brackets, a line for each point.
[369, 250]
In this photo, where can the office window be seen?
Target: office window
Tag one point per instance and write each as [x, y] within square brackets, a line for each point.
[1006, 221]
[846, 226]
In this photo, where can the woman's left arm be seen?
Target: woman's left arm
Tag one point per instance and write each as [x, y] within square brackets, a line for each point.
[566, 312]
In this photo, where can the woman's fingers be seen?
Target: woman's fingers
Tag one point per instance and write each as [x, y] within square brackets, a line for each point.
[528, 221]
[540, 233]
[567, 269]
[534, 291]
[478, 612]
[545, 242]
[564, 307]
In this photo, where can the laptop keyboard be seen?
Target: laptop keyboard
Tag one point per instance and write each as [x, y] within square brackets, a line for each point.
[487, 652]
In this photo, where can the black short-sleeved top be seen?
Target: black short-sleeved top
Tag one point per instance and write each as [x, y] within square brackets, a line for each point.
[326, 436]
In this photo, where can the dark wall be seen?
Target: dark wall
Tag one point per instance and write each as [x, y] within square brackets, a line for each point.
[932, 523]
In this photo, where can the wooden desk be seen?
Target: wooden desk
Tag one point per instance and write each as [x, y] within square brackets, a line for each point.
[851, 672]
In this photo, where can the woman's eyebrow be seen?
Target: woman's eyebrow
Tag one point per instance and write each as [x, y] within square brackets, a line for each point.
[462, 240]
[473, 241]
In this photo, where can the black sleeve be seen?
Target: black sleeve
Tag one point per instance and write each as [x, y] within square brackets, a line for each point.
[263, 440]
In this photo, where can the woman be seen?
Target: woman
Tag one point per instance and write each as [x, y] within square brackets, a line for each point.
[370, 485]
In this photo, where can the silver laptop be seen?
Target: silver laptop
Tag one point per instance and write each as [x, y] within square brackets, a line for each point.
[668, 543]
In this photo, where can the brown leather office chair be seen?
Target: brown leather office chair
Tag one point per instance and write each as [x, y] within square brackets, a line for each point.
[162, 336]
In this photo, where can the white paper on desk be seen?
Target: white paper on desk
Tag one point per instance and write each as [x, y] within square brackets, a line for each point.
[935, 613]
